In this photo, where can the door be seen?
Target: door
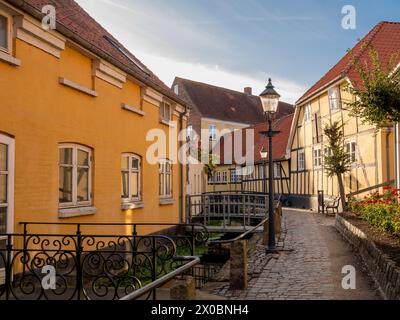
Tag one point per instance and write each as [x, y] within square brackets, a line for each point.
[7, 150]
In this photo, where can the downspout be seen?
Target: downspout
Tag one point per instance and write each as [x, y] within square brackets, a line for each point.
[397, 154]
[181, 192]
[388, 160]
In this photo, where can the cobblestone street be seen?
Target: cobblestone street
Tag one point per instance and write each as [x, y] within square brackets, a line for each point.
[309, 267]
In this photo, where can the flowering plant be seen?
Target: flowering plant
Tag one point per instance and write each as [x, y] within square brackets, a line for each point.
[380, 210]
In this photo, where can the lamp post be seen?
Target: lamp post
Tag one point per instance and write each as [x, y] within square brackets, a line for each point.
[270, 100]
[264, 155]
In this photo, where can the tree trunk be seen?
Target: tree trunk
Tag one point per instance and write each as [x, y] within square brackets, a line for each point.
[342, 192]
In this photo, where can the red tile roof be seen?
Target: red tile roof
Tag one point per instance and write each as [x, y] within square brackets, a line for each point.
[279, 141]
[70, 16]
[384, 38]
[225, 104]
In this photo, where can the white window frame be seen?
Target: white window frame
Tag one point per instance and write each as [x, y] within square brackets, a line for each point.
[212, 132]
[10, 172]
[307, 113]
[75, 203]
[334, 102]
[163, 115]
[301, 167]
[277, 170]
[189, 132]
[130, 170]
[224, 176]
[162, 176]
[176, 89]
[352, 153]
[9, 33]
[317, 157]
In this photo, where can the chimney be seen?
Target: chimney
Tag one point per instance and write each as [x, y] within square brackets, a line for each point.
[248, 90]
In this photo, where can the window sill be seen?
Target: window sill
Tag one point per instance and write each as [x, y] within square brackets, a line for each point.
[131, 205]
[168, 123]
[167, 201]
[64, 213]
[127, 107]
[6, 57]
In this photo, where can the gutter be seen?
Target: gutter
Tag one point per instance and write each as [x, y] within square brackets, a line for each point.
[24, 6]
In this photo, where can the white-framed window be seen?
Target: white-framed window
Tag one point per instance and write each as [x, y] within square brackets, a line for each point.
[165, 178]
[224, 177]
[351, 149]
[75, 175]
[334, 98]
[165, 111]
[217, 177]
[317, 156]
[190, 133]
[131, 167]
[176, 89]
[277, 170]
[307, 113]
[7, 159]
[212, 132]
[301, 160]
[5, 32]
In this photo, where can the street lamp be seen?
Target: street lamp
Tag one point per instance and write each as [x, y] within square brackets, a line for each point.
[270, 100]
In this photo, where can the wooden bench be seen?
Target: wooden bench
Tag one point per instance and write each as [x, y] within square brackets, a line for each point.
[331, 205]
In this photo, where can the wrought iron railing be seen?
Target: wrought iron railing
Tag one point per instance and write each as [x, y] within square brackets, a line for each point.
[84, 266]
[243, 207]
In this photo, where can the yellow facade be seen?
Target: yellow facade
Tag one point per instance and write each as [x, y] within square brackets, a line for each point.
[374, 156]
[40, 112]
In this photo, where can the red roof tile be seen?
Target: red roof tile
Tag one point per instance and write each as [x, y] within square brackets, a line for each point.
[384, 38]
[279, 142]
[75, 19]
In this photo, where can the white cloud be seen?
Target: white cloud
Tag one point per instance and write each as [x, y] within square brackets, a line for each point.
[166, 69]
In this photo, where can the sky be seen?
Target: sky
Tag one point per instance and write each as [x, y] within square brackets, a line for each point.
[240, 43]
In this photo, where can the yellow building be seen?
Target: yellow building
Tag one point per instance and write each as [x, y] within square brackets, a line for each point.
[371, 149]
[76, 107]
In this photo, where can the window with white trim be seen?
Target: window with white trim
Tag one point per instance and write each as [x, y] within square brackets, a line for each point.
[317, 156]
[131, 177]
[165, 178]
[351, 149]
[190, 133]
[212, 132]
[75, 175]
[334, 98]
[307, 113]
[224, 177]
[301, 160]
[176, 89]
[277, 170]
[5, 32]
[165, 111]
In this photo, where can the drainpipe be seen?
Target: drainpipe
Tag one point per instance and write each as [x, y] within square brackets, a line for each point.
[397, 154]
[181, 192]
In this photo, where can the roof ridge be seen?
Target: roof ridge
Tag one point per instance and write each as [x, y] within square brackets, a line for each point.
[215, 86]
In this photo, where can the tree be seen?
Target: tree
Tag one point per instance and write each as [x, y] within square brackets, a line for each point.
[378, 94]
[337, 160]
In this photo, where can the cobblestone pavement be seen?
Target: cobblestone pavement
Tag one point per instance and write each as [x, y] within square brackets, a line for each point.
[309, 268]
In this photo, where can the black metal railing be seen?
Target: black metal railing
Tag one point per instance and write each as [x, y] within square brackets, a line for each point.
[226, 207]
[85, 266]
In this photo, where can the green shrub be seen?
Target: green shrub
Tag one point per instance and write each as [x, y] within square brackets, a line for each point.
[380, 210]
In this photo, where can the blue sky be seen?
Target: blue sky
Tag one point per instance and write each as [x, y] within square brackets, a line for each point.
[238, 43]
